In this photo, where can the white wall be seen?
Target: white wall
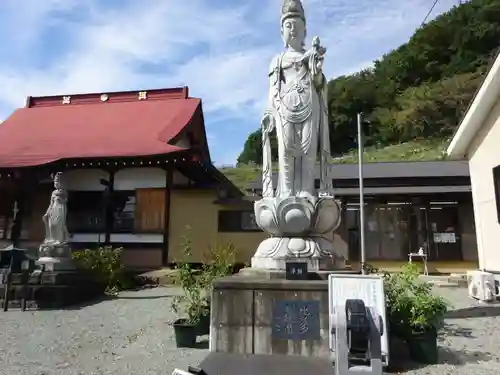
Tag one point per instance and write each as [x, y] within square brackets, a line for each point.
[84, 179]
[125, 179]
[483, 156]
[140, 178]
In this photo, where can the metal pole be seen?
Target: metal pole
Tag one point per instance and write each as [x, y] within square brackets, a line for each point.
[361, 196]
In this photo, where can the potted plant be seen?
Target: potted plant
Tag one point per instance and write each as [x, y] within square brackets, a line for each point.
[414, 312]
[426, 318]
[191, 304]
[219, 262]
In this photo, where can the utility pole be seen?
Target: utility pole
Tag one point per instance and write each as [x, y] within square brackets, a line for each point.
[361, 195]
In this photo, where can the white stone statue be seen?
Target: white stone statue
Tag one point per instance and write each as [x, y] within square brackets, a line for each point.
[55, 253]
[56, 231]
[297, 220]
[297, 110]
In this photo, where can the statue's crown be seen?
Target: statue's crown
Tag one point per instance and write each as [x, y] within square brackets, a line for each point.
[292, 8]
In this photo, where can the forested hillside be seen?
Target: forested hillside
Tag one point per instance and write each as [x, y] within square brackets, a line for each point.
[419, 90]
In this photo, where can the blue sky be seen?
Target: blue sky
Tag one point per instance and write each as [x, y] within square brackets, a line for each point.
[221, 49]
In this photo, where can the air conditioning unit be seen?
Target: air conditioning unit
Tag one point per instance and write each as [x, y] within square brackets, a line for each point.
[481, 286]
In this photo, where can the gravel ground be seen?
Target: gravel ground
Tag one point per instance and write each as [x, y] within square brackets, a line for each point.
[131, 335]
[127, 335]
[470, 341]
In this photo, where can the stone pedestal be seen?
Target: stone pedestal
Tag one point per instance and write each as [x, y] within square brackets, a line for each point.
[258, 312]
[298, 228]
[55, 257]
[58, 289]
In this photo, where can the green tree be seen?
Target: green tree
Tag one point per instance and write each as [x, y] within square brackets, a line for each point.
[429, 110]
[420, 89]
[252, 150]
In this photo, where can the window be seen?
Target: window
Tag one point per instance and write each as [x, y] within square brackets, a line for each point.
[237, 221]
[85, 212]
[386, 232]
[496, 182]
[122, 209]
[6, 214]
[139, 211]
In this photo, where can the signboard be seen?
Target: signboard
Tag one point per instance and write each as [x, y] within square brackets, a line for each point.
[296, 271]
[369, 288]
[446, 237]
[296, 320]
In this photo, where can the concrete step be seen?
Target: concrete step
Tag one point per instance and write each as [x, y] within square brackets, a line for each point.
[447, 281]
[162, 276]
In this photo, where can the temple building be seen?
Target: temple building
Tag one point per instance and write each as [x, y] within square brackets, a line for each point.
[137, 168]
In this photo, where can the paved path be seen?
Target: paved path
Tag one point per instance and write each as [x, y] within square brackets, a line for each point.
[132, 335]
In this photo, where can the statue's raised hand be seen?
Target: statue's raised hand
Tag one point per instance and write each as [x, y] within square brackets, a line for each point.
[319, 54]
[268, 123]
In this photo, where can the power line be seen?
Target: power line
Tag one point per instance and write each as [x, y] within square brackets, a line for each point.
[429, 13]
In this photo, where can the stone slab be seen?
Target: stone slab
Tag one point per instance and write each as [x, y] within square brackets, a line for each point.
[232, 364]
[52, 278]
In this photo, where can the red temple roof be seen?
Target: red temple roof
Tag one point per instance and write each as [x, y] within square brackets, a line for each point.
[122, 124]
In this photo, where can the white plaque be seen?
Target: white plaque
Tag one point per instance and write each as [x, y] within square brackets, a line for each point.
[180, 372]
[370, 289]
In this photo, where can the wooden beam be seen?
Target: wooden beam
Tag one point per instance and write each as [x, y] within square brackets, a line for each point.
[169, 176]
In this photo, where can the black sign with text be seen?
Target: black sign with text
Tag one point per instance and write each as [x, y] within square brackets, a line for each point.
[296, 320]
[296, 271]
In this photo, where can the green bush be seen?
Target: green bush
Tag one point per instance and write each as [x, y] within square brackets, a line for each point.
[196, 284]
[411, 304]
[107, 266]
[192, 304]
[219, 261]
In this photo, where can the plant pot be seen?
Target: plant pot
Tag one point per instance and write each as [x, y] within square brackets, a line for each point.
[185, 334]
[398, 330]
[423, 346]
[399, 354]
[203, 325]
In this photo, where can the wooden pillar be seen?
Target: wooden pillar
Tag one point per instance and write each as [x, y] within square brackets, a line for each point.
[108, 207]
[169, 176]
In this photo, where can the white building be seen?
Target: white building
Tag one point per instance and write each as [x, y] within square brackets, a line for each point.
[477, 139]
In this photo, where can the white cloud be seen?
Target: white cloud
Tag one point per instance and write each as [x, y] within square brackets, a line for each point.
[221, 52]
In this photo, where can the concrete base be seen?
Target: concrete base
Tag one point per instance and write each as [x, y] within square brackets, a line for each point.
[245, 309]
[55, 257]
[51, 289]
[313, 264]
[267, 274]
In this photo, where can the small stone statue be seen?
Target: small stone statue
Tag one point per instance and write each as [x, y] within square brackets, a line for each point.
[55, 253]
[56, 232]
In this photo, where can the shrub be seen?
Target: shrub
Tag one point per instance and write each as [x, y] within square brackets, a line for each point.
[105, 263]
[219, 261]
[411, 304]
[192, 303]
